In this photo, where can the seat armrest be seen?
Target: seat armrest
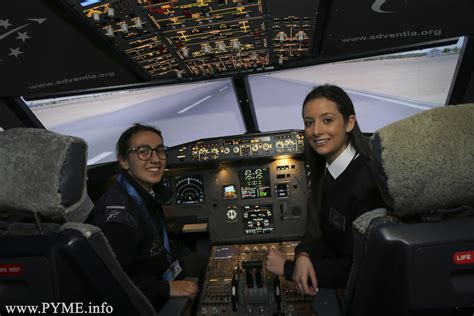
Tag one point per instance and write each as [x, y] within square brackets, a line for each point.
[179, 305]
[326, 303]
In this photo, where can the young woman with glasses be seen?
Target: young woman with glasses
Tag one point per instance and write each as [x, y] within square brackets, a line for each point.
[131, 217]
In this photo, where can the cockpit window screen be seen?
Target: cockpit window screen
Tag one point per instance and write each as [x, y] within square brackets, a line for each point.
[384, 88]
[183, 112]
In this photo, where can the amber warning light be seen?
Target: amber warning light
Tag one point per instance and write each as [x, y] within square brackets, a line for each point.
[464, 257]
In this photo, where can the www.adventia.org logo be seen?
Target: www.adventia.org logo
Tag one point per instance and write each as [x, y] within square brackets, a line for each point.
[15, 45]
[378, 5]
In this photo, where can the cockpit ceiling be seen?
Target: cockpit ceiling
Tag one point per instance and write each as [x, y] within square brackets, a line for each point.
[188, 38]
[56, 46]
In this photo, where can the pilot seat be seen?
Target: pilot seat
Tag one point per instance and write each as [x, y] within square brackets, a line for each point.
[45, 262]
[417, 256]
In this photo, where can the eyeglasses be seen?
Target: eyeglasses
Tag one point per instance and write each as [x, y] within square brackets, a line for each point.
[145, 152]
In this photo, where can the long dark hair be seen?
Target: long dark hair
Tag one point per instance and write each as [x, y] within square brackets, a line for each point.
[123, 143]
[317, 163]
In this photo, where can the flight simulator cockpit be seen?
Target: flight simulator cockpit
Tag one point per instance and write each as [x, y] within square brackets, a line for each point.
[224, 81]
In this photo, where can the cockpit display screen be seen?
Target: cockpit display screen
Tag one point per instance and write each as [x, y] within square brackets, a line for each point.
[189, 190]
[225, 252]
[229, 191]
[254, 183]
[257, 219]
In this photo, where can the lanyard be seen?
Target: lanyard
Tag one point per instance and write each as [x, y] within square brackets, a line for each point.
[142, 207]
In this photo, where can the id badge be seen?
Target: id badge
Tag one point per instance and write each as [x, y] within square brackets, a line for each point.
[337, 219]
[173, 271]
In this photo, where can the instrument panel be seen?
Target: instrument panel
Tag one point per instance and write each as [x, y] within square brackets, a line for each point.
[238, 148]
[251, 190]
[243, 198]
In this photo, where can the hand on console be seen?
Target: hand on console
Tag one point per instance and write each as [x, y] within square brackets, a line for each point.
[275, 262]
[305, 276]
[183, 288]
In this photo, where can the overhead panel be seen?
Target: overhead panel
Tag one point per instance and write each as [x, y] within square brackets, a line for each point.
[292, 28]
[189, 38]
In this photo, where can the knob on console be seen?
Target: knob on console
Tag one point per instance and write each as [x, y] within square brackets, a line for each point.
[296, 211]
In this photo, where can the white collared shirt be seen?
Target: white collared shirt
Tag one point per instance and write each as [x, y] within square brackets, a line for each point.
[342, 161]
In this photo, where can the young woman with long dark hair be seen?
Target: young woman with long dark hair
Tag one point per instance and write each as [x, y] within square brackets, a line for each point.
[341, 189]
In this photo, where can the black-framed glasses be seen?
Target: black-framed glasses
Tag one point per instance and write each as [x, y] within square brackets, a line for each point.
[145, 152]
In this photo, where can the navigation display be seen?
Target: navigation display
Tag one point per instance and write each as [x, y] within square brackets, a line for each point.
[254, 183]
[257, 219]
[189, 190]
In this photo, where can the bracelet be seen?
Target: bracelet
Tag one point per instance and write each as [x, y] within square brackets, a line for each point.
[303, 254]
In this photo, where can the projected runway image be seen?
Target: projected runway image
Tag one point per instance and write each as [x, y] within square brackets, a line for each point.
[383, 91]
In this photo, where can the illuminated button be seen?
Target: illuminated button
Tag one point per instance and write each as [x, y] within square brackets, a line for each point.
[281, 36]
[206, 48]
[138, 23]
[236, 44]
[124, 27]
[111, 12]
[221, 46]
[300, 36]
[109, 31]
[185, 51]
[96, 16]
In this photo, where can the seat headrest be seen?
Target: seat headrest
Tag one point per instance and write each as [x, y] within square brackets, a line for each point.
[426, 162]
[41, 172]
